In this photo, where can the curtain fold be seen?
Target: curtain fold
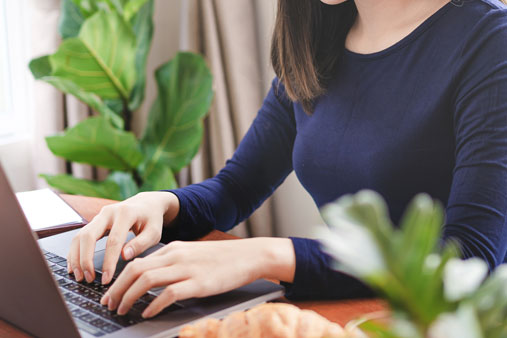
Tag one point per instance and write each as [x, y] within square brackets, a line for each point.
[226, 33]
[48, 108]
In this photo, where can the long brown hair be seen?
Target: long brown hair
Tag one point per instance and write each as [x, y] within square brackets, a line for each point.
[307, 43]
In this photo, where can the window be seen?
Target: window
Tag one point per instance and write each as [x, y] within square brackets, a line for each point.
[15, 92]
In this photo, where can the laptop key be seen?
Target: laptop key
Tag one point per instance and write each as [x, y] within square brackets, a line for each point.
[89, 328]
[78, 312]
[140, 306]
[56, 268]
[87, 317]
[56, 259]
[62, 282]
[126, 320]
[62, 263]
[110, 328]
[148, 298]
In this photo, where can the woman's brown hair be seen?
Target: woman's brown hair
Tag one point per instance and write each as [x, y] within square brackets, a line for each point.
[307, 44]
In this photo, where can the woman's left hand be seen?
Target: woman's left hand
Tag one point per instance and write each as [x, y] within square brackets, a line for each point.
[200, 269]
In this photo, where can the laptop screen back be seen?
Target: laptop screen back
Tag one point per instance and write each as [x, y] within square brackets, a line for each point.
[29, 298]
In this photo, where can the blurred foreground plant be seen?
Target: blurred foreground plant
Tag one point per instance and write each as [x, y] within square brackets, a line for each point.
[431, 292]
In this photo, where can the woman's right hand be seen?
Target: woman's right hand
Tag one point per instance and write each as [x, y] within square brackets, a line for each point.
[144, 214]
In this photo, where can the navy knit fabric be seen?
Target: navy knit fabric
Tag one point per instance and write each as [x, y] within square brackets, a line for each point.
[428, 114]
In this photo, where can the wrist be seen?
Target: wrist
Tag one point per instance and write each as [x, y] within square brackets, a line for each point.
[278, 259]
[162, 201]
[171, 208]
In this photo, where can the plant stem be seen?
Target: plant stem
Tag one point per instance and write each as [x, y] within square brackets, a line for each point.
[127, 116]
[137, 178]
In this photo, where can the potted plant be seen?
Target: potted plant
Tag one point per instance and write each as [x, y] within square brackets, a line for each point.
[432, 293]
[101, 61]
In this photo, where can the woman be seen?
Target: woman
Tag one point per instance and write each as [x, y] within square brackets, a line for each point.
[397, 96]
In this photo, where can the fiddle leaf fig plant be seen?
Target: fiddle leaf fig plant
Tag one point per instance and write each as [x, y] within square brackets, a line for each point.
[101, 61]
[431, 291]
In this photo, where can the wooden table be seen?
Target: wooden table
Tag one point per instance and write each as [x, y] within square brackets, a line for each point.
[337, 311]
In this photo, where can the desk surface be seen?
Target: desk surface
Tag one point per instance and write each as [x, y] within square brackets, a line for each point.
[338, 311]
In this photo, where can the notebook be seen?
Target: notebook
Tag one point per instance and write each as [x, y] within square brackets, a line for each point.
[47, 212]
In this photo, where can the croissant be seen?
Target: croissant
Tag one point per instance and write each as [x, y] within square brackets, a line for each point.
[271, 320]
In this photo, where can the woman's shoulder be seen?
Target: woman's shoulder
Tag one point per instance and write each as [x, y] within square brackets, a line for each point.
[479, 10]
[483, 25]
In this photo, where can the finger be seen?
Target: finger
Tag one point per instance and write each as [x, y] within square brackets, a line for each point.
[146, 239]
[73, 259]
[87, 239]
[173, 293]
[114, 244]
[168, 247]
[148, 280]
[129, 275]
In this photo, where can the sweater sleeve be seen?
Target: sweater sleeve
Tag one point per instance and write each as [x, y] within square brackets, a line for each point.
[259, 165]
[477, 205]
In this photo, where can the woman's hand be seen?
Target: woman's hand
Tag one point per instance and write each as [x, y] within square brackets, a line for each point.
[200, 269]
[144, 214]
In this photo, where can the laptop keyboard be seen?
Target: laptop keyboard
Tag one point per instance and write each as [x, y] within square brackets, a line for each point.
[83, 301]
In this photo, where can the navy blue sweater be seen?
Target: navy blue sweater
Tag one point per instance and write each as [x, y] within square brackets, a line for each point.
[428, 114]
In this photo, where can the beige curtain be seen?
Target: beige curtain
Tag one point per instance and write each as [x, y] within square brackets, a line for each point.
[227, 33]
[53, 111]
[48, 109]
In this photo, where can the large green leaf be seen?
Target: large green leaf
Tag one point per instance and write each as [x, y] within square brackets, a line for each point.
[41, 69]
[71, 20]
[161, 177]
[142, 25]
[101, 59]
[126, 8]
[94, 141]
[77, 186]
[132, 7]
[174, 130]
[90, 7]
[125, 181]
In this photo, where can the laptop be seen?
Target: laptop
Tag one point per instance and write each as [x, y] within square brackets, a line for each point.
[40, 297]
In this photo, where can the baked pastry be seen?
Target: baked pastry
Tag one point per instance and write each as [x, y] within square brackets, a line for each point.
[270, 320]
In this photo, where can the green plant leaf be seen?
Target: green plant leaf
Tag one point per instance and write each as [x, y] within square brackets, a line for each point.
[71, 20]
[142, 24]
[125, 181]
[90, 7]
[94, 141]
[77, 186]
[160, 178]
[174, 130]
[41, 69]
[132, 7]
[491, 304]
[101, 60]
[126, 8]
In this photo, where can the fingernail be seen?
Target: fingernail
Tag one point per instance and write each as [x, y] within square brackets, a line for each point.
[88, 276]
[146, 313]
[78, 275]
[105, 299]
[105, 277]
[129, 253]
[121, 310]
[110, 304]
[68, 268]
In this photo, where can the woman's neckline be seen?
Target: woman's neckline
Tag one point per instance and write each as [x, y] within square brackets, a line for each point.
[404, 41]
